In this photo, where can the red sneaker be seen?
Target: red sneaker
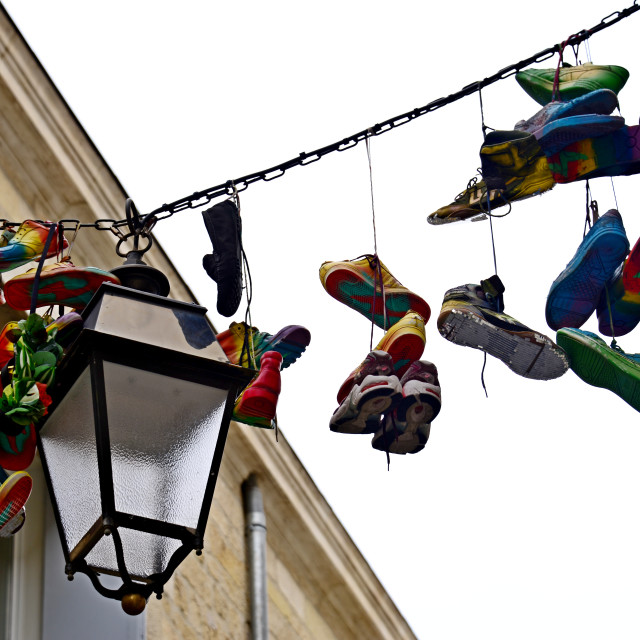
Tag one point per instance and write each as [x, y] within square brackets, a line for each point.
[257, 403]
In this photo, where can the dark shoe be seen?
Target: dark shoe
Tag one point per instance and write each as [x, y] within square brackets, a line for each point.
[471, 317]
[224, 265]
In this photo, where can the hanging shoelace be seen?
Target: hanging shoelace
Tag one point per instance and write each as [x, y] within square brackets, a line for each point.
[375, 263]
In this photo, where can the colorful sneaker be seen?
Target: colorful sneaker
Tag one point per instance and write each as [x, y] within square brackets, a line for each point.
[290, 342]
[618, 309]
[257, 404]
[26, 245]
[510, 156]
[559, 124]
[8, 337]
[224, 265]
[613, 154]
[573, 81]
[575, 293]
[61, 283]
[602, 366]
[64, 329]
[16, 451]
[374, 390]
[14, 525]
[406, 428]
[631, 270]
[514, 167]
[469, 317]
[14, 493]
[404, 343]
[356, 283]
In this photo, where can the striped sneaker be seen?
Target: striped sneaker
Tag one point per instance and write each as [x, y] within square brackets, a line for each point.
[14, 493]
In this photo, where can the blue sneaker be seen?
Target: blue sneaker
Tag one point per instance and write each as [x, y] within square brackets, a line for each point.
[560, 124]
[575, 293]
[624, 305]
[602, 366]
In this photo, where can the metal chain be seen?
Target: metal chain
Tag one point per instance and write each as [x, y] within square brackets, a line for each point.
[231, 187]
[201, 198]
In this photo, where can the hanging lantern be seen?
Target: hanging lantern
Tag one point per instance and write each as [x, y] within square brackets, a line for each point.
[133, 442]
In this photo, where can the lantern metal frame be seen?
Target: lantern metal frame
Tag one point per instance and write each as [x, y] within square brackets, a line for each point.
[91, 350]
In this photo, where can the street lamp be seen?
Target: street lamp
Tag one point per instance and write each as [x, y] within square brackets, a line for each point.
[134, 438]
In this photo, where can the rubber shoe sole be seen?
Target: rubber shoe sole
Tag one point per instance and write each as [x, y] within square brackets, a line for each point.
[600, 366]
[361, 410]
[527, 353]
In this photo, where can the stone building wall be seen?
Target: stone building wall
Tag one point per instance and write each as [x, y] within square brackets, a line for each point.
[319, 585]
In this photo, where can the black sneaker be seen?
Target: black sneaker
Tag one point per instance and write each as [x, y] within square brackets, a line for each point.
[224, 265]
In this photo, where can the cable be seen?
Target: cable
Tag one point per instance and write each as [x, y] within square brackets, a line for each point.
[201, 198]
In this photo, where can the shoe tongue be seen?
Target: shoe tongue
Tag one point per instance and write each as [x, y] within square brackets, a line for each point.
[493, 290]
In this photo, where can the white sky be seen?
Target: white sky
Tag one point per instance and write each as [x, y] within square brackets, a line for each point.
[519, 519]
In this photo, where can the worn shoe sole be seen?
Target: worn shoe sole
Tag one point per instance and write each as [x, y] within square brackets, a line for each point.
[360, 411]
[557, 134]
[575, 294]
[527, 353]
[600, 366]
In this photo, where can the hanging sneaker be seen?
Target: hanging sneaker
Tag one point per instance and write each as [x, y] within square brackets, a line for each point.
[404, 343]
[631, 270]
[8, 338]
[559, 124]
[14, 493]
[26, 245]
[573, 81]
[60, 283]
[17, 450]
[356, 283]
[514, 168]
[602, 366]
[224, 265]
[64, 329]
[290, 342]
[613, 154]
[575, 293]
[617, 309]
[257, 404]
[406, 428]
[13, 525]
[471, 318]
[373, 389]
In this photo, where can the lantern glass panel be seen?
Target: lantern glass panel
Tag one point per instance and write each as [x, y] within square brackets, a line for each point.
[165, 323]
[163, 433]
[69, 444]
[144, 553]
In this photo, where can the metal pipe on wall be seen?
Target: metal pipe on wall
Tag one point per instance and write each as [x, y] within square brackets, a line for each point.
[256, 535]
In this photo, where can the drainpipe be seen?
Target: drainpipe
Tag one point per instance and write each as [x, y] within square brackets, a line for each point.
[256, 532]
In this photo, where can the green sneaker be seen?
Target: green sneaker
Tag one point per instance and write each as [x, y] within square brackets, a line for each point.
[572, 81]
[602, 366]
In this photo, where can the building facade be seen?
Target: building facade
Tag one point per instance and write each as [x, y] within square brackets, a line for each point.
[318, 585]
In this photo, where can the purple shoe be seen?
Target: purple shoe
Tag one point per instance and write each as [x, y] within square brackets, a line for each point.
[406, 428]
